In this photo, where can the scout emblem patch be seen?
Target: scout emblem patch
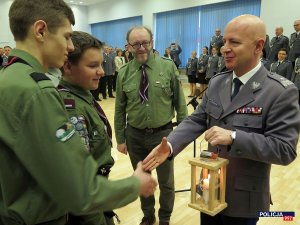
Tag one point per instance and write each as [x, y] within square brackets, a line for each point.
[81, 128]
[65, 132]
[250, 110]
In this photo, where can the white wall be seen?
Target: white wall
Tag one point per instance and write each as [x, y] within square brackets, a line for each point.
[116, 9]
[280, 13]
[6, 37]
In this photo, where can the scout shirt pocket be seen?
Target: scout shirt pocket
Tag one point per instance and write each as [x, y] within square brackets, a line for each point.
[131, 92]
[162, 88]
[248, 122]
[100, 146]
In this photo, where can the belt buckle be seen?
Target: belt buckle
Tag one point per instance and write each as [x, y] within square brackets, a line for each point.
[149, 130]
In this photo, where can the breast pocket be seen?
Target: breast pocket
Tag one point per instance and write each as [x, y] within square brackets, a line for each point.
[98, 138]
[162, 88]
[213, 109]
[131, 91]
[248, 122]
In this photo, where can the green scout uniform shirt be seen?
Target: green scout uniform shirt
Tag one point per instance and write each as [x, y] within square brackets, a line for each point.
[94, 136]
[165, 96]
[42, 175]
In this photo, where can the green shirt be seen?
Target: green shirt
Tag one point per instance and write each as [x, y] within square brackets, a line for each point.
[45, 170]
[164, 93]
[83, 115]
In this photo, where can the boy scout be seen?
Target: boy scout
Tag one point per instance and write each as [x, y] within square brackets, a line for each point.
[81, 74]
[45, 170]
[143, 114]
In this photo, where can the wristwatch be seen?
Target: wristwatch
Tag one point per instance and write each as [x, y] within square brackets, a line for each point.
[233, 135]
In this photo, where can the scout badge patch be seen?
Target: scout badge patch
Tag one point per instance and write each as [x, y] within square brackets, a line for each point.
[65, 132]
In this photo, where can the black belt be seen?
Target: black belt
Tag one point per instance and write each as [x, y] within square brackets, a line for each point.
[154, 130]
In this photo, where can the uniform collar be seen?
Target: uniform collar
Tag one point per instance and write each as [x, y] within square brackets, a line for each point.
[150, 63]
[30, 59]
[85, 94]
[244, 78]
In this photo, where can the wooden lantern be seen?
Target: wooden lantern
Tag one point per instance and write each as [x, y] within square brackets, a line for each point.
[212, 183]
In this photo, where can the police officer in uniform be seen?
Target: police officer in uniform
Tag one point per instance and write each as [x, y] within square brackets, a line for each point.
[278, 42]
[148, 93]
[45, 170]
[282, 67]
[216, 41]
[295, 43]
[296, 75]
[212, 64]
[246, 118]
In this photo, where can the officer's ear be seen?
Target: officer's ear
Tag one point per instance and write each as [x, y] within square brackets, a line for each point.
[39, 30]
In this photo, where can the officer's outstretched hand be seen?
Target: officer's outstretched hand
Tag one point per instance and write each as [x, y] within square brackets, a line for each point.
[122, 148]
[157, 156]
[147, 182]
[218, 136]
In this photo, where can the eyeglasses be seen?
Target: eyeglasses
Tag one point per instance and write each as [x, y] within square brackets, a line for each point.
[145, 44]
[296, 25]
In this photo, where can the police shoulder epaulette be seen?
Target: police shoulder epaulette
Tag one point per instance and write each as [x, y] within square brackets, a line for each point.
[280, 79]
[222, 73]
[166, 58]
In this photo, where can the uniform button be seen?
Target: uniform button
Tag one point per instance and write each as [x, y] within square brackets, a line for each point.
[246, 124]
[225, 122]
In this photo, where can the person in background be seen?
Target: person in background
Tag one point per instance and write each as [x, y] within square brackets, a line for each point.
[5, 55]
[45, 170]
[216, 41]
[175, 51]
[201, 73]
[278, 42]
[148, 94]
[246, 117]
[282, 67]
[212, 64]
[119, 62]
[296, 75]
[191, 71]
[295, 43]
[221, 62]
[127, 54]
[168, 53]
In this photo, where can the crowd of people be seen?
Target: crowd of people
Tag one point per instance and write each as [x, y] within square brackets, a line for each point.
[56, 140]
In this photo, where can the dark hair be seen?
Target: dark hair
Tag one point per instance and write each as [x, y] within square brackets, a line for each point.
[206, 47]
[283, 49]
[82, 41]
[139, 27]
[24, 13]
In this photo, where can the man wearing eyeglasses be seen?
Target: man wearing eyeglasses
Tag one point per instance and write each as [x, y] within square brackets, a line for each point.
[147, 95]
[295, 43]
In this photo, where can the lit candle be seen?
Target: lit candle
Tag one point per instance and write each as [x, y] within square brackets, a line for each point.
[205, 187]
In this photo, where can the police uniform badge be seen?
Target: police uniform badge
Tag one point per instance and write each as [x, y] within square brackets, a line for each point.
[65, 132]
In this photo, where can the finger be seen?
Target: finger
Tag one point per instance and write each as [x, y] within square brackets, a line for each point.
[150, 165]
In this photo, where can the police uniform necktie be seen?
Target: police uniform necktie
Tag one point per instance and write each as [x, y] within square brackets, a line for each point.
[144, 85]
[104, 119]
[236, 87]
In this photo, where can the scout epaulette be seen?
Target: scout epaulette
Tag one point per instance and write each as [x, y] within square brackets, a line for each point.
[163, 57]
[15, 59]
[280, 79]
[69, 100]
[39, 76]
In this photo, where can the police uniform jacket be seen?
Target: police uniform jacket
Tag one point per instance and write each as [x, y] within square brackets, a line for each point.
[108, 64]
[164, 93]
[202, 63]
[216, 42]
[191, 67]
[45, 168]
[267, 129]
[221, 65]
[296, 73]
[275, 45]
[284, 68]
[294, 47]
[212, 66]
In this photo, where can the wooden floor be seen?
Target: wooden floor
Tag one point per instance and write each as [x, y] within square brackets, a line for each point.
[285, 184]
